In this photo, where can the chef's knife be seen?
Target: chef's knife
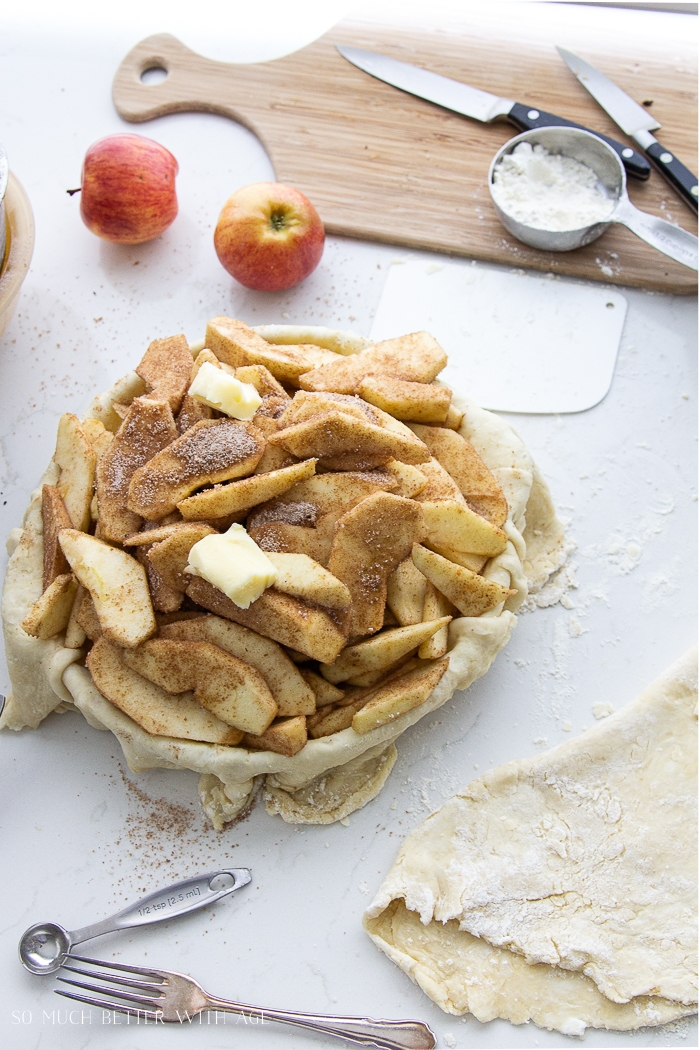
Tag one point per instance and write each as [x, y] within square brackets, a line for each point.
[636, 122]
[472, 102]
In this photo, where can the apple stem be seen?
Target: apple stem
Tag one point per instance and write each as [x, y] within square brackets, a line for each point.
[71, 192]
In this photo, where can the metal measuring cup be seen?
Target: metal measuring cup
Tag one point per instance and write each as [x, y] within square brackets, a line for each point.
[597, 155]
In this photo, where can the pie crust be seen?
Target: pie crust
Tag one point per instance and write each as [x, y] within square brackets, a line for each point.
[332, 776]
[562, 888]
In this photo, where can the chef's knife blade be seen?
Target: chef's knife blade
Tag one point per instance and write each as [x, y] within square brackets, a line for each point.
[636, 122]
[472, 102]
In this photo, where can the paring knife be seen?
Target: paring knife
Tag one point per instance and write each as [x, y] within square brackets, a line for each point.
[472, 102]
[636, 122]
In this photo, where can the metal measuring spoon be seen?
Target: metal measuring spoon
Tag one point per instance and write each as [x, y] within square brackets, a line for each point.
[673, 241]
[44, 946]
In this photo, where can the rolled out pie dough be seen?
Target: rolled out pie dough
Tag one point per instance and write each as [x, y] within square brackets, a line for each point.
[331, 776]
[562, 889]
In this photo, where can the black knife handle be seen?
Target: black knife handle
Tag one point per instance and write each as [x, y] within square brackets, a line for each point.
[527, 118]
[680, 177]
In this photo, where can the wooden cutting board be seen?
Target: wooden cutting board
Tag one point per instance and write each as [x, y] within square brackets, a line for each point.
[382, 165]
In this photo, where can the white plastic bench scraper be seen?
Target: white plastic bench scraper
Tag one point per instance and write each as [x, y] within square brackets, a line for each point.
[516, 342]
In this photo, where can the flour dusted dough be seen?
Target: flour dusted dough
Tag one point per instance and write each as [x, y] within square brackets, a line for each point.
[562, 888]
[333, 775]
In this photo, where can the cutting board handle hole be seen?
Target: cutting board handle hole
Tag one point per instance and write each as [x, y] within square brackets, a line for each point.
[154, 74]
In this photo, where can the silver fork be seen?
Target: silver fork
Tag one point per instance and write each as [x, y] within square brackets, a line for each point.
[166, 996]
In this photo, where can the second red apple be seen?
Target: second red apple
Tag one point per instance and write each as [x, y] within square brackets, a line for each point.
[269, 236]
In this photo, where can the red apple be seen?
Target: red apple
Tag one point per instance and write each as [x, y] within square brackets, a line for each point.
[269, 236]
[128, 189]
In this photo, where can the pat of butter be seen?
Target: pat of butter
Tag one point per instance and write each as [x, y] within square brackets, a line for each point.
[234, 563]
[216, 388]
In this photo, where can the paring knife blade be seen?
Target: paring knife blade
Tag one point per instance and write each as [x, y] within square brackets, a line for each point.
[636, 122]
[473, 102]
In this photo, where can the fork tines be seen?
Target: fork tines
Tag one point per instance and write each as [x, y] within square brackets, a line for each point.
[144, 1002]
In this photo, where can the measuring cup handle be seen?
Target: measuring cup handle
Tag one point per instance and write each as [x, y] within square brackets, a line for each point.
[178, 899]
[673, 241]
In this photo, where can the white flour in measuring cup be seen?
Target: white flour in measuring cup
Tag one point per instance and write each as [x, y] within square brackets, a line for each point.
[548, 191]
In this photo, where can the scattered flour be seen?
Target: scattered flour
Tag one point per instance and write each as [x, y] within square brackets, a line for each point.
[549, 191]
[555, 590]
[602, 710]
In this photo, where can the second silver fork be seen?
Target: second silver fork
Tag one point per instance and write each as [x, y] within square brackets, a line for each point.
[168, 996]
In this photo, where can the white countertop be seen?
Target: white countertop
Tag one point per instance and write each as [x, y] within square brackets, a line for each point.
[81, 834]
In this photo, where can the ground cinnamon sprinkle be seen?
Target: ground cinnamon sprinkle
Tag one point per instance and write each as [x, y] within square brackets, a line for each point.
[214, 447]
[163, 838]
[156, 817]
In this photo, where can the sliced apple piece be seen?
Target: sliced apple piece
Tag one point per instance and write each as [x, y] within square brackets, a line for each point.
[409, 480]
[435, 605]
[374, 678]
[148, 427]
[476, 482]
[399, 696]
[472, 594]
[301, 576]
[207, 356]
[405, 593]
[455, 525]
[76, 457]
[335, 720]
[273, 458]
[237, 345]
[169, 556]
[286, 737]
[262, 379]
[336, 433]
[191, 410]
[97, 434]
[85, 616]
[380, 652]
[54, 517]
[157, 534]
[231, 689]
[439, 485]
[165, 369]
[325, 692]
[51, 612]
[210, 451]
[416, 357]
[281, 537]
[306, 404]
[332, 492]
[151, 707]
[291, 692]
[415, 402]
[369, 541]
[242, 495]
[475, 562]
[354, 461]
[117, 584]
[313, 720]
[454, 418]
[75, 636]
[286, 620]
[165, 599]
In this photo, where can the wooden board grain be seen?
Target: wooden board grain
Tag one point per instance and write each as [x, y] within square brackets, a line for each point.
[382, 165]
